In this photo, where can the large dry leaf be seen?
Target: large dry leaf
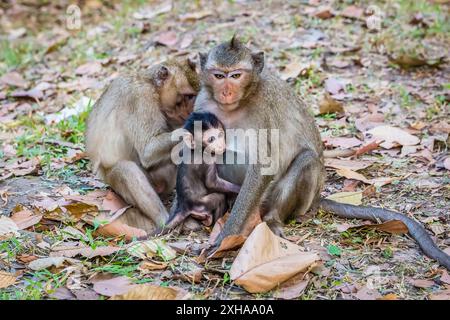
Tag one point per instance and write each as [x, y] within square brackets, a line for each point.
[114, 286]
[354, 198]
[392, 226]
[151, 248]
[117, 228]
[344, 143]
[89, 68]
[6, 279]
[292, 70]
[392, 136]
[349, 174]
[292, 288]
[44, 263]
[8, 228]
[87, 252]
[13, 79]
[25, 218]
[354, 165]
[152, 292]
[195, 15]
[330, 105]
[231, 242]
[267, 260]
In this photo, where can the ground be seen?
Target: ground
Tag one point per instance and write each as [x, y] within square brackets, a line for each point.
[358, 65]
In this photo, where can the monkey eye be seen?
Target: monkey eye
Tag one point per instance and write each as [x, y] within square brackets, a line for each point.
[236, 75]
[219, 75]
[211, 139]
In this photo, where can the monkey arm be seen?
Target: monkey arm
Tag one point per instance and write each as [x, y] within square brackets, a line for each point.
[157, 150]
[246, 202]
[217, 184]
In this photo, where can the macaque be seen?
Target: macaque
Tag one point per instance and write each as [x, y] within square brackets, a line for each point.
[128, 137]
[243, 94]
[201, 193]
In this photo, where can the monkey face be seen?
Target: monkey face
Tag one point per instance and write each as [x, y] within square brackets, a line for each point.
[229, 86]
[214, 140]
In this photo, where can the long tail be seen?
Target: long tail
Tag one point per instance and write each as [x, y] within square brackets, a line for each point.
[416, 230]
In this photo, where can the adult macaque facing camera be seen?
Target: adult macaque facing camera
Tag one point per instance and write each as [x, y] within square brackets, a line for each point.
[237, 88]
[128, 137]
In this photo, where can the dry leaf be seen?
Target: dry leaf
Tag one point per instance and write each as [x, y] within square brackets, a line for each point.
[422, 283]
[114, 286]
[367, 148]
[195, 15]
[7, 227]
[44, 263]
[441, 295]
[150, 12]
[13, 79]
[392, 136]
[89, 68]
[354, 165]
[292, 70]
[389, 296]
[6, 279]
[344, 143]
[267, 260]
[354, 198]
[167, 38]
[231, 242]
[152, 292]
[352, 12]
[117, 228]
[391, 226]
[329, 105]
[85, 251]
[152, 248]
[324, 12]
[25, 218]
[152, 265]
[367, 294]
[349, 174]
[292, 288]
[334, 86]
[445, 277]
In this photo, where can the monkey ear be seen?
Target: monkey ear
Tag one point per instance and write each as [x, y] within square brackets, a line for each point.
[258, 61]
[189, 140]
[234, 42]
[162, 74]
[203, 57]
[191, 63]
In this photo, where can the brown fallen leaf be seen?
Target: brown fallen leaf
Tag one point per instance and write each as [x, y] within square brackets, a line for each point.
[114, 286]
[6, 279]
[324, 12]
[392, 136]
[150, 248]
[408, 61]
[191, 17]
[231, 242]
[354, 165]
[152, 265]
[367, 294]
[292, 70]
[89, 68]
[422, 283]
[392, 226]
[334, 86]
[32, 93]
[152, 292]
[167, 38]
[349, 174]
[445, 277]
[266, 260]
[441, 295]
[26, 258]
[25, 218]
[389, 296]
[13, 79]
[8, 228]
[292, 288]
[344, 143]
[354, 198]
[329, 105]
[117, 228]
[85, 251]
[368, 148]
[352, 12]
[44, 263]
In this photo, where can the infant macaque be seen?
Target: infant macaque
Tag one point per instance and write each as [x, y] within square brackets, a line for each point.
[201, 193]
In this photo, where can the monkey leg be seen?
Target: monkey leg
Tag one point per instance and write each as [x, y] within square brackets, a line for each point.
[130, 181]
[295, 192]
[216, 204]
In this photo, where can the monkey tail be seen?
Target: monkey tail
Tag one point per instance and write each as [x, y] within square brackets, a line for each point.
[415, 229]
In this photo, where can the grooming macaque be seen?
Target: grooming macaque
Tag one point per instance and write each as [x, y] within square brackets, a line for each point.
[201, 193]
[243, 94]
[128, 137]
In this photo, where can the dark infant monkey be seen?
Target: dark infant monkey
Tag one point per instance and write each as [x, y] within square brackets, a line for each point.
[201, 193]
[243, 94]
